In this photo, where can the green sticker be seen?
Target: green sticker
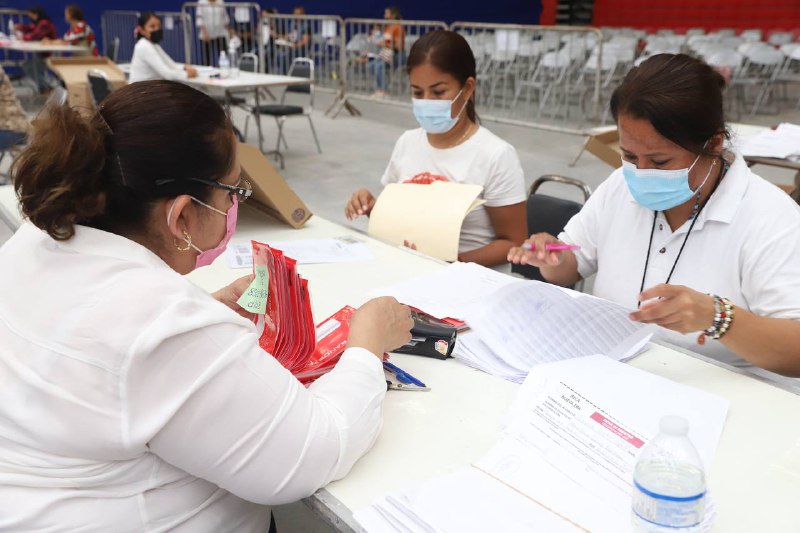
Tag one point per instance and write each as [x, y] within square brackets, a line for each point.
[254, 299]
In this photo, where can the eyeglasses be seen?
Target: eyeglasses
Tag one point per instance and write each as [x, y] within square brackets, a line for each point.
[243, 190]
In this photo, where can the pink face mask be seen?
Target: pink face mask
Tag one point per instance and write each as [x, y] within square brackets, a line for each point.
[207, 257]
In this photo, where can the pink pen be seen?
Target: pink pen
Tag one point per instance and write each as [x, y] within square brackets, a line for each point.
[552, 247]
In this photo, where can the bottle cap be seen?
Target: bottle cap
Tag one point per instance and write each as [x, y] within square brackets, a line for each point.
[674, 425]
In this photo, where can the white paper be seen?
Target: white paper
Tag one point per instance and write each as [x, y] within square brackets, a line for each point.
[450, 291]
[577, 427]
[530, 322]
[305, 251]
[782, 142]
[241, 14]
[329, 29]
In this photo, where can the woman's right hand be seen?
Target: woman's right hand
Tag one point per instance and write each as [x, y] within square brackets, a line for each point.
[361, 203]
[191, 72]
[538, 256]
[380, 325]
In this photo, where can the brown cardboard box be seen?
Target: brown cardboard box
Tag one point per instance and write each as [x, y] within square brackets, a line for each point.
[605, 145]
[73, 70]
[271, 193]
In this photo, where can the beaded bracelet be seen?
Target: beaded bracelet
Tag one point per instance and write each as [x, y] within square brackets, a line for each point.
[724, 313]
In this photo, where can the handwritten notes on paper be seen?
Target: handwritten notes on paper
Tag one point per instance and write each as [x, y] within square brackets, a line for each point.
[254, 299]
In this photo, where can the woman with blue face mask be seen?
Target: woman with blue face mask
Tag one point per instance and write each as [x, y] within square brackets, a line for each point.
[131, 399]
[451, 145]
[684, 234]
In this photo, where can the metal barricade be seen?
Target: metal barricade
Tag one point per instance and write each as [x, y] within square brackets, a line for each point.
[210, 29]
[549, 77]
[375, 54]
[9, 18]
[120, 25]
[174, 26]
[317, 37]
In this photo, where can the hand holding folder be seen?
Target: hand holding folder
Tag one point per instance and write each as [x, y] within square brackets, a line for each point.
[430, 216]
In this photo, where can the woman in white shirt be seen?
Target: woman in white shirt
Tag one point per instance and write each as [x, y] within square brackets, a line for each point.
[684, 230]
[150, 61]
[452, 146]
[131, 400]
[213, 25]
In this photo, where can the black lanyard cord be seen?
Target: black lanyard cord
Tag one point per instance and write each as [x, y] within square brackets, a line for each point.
[724, 170]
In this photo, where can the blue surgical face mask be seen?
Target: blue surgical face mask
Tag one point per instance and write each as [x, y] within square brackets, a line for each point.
[660, 190]
[434, 116]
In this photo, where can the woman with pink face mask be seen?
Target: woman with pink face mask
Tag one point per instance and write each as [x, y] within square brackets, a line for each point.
[131, 399]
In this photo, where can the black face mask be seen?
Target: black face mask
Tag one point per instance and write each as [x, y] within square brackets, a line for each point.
[156, 36]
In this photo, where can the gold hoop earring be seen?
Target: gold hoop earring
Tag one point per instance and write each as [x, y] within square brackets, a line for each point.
[188, 242]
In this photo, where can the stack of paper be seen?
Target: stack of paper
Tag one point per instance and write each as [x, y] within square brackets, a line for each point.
[450, 291]
[566, 458]
[782, 143]
[305, 251]
[529, 322]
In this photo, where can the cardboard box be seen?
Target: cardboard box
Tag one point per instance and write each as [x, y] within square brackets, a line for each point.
[73, 71]
[605, 145]
[271, 194]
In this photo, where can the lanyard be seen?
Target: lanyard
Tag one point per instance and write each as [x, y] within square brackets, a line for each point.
[725, 167]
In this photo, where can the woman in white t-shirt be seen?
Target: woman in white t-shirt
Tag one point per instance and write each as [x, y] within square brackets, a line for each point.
[452, 146]
[685, 220]
[150, 61]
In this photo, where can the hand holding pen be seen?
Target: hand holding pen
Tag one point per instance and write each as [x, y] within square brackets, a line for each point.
[541, 250]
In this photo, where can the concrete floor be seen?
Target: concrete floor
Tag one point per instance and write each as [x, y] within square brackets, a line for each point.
[355, 153]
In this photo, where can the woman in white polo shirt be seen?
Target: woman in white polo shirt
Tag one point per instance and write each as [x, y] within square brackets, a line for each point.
[451, 145]
[150, 61]
[684, 230]
[130, 399]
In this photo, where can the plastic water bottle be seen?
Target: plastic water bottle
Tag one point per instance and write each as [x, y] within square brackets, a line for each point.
[233, 55]
[669, 489]
[224, 65]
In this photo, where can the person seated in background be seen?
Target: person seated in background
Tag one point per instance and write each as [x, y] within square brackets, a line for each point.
[14, 124]
[267, 37]
[150, 61]
[39, 29]
[391, 50]
[451, 145]
[79, 33]
[139, 401]
[684, 232]
[296, 42]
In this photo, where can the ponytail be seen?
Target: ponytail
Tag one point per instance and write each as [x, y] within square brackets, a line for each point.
[106, 172]
[59, 178]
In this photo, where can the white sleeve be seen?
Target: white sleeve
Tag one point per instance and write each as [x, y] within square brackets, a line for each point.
[200, 16]
[149, 56]
[584, 229]
[770, 262]
[212, 403]
[392, 172]
[506, 184]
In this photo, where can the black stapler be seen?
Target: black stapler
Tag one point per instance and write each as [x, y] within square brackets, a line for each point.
[430, 337]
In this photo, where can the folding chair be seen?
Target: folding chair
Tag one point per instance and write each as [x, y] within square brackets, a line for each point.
[549, 214]
[99, 86]
[301, 67]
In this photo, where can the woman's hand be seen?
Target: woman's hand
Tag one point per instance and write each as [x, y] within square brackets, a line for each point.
[538, 256]
[409, 244]
[191, 72]
[380, 325]
[675, 307]
[230, 295]
[361, 203]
